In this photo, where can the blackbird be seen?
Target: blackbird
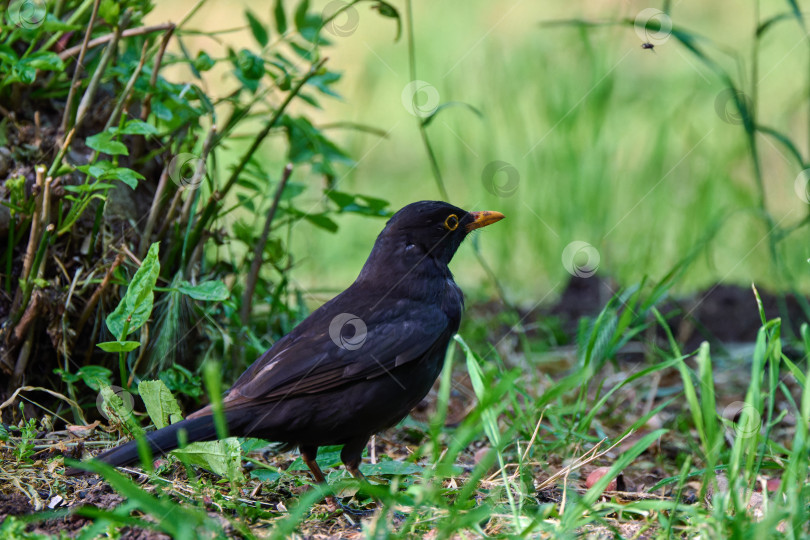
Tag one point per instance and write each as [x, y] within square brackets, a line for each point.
[360, 362]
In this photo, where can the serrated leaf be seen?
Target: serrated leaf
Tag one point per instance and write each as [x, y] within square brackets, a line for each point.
[211, 291]
[160, 404]
[257, 28]
[116, 409]
[222, 457]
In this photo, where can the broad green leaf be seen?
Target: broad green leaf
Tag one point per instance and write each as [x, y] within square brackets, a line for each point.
[127, 176]
[116, 409]
[160, 404]
[137, 127]
[45, 60]
[136, 306]
[391, 467]
[221, 457]
[102, 142]
[265, 475]
[211, 291]
[93, 376]
[119, 346]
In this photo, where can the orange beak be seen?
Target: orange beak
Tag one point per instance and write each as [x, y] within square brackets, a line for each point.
[482, 219]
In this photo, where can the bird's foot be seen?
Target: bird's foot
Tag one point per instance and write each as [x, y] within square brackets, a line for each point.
[338, 507]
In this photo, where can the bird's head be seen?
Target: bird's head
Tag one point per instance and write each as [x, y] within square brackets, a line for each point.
[432, 229]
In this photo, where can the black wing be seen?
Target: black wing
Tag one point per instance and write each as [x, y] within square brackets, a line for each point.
[309, 360]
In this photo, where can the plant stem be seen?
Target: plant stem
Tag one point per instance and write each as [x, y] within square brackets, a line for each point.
[258, 250]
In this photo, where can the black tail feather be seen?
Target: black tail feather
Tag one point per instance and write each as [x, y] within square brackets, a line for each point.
[160, 442]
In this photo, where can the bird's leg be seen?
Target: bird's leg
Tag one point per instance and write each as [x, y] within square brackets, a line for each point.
[309, 454]
[351, 455]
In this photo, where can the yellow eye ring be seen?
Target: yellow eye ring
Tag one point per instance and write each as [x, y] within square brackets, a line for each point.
[451, 223]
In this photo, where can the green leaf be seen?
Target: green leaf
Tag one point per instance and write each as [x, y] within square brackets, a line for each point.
[93, 376]
[387, 10]
[160, 404]
[392, 467]
[97, 169]
[301, 14]
[322, 221]
[280, 16]
[137, 127]
[292, 190]
[265, 475]
[102, 142]
[136, 306]
[221, 457]
[127, 176]
[45, 60]
[257, 28]
[203, 62]
[118, 346]
[116, 409]
[52, 25]
[210, 291]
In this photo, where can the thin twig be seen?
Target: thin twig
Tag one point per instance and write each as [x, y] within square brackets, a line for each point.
[91, 304]
[119, 106]
[36, 226]
[74, 84]
[216, 197]
[90, 93]
[199, 172]
[153, 211]
[147, 100]
[258, 250]
[67, 53]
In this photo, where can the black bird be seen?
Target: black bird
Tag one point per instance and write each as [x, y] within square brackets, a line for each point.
[360, 362]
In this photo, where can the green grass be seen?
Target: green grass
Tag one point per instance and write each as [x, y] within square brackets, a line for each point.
[616, 146]
[632, 157]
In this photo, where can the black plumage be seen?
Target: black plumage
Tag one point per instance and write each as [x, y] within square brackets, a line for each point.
[360, 362]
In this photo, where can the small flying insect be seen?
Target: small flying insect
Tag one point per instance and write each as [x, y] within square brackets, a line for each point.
[648, 46]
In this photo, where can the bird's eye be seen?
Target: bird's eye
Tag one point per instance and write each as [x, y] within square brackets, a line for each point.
[451, 223]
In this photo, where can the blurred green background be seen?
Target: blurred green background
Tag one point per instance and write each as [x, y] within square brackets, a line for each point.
[630, 150]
